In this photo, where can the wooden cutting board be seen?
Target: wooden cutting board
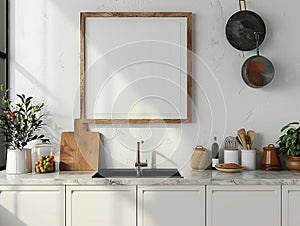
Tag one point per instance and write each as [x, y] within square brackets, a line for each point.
[79, 150]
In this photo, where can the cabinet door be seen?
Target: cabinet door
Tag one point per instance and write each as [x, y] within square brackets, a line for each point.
[101, 205]
[290, 205]
[32, 205]
[243, 205]
[171, 205]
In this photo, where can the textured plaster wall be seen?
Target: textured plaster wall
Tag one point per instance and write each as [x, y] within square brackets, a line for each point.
[45, 63]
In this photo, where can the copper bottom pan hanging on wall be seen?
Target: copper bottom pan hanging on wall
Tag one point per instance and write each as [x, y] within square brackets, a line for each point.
[257, 71]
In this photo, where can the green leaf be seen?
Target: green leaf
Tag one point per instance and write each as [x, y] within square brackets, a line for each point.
[41, 136]
[22, 97]
[284, 128]
[28, 99]
[294, 123]
[289, 125]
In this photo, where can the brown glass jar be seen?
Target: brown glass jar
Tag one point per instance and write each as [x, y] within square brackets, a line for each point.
[270, 160]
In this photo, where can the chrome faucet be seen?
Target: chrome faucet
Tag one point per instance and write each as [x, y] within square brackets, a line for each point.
[138, 162]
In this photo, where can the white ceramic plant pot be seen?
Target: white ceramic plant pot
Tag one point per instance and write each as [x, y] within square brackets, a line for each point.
[18, 162]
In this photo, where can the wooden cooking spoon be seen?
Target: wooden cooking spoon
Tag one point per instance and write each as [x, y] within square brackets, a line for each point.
[242, 137]
[242, 131]
[243, 140]
[251, 135]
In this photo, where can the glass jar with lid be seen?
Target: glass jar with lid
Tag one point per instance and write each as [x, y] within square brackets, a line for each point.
[43, 157]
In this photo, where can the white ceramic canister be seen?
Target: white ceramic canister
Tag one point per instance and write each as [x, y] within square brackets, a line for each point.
[249, 159]
[231, 156]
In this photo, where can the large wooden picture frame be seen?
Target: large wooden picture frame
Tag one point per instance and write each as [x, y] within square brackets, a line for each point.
[157, 88]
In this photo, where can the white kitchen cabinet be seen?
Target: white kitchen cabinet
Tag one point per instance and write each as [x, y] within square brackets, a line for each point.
[32, 205]
[290, 205]
[101, 205]
[244, 205]
[171, 205]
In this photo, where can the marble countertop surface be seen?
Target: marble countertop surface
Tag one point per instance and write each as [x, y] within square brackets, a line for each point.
[205, 177]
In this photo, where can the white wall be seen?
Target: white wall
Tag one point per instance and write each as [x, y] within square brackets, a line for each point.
[45, 63]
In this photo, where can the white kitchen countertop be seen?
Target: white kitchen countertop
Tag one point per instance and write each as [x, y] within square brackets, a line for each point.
[206, 177]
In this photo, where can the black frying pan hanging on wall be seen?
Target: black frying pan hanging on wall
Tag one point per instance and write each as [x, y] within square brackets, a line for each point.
[257, 71]
[241, 26]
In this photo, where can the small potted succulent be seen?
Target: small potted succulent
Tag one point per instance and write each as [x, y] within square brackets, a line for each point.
[19, 124]
[289, 144]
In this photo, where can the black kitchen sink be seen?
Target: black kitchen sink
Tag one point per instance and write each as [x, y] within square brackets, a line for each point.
[134, 173]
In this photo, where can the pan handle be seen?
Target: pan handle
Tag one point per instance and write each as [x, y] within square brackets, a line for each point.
[256, 34]
[240, 4]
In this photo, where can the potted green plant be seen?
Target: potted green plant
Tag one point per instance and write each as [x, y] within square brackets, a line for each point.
[19, 123]
[289, 144]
